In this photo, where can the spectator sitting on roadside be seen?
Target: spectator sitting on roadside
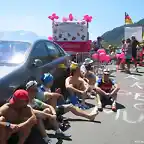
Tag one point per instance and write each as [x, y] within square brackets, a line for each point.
[16, 118]
[107, 90]
[62, 109]
[77, 85]
[43, 111]
[87, 61]
[47, 113]
[48, 96]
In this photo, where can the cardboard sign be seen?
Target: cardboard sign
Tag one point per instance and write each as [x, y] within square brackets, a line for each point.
[70, 31]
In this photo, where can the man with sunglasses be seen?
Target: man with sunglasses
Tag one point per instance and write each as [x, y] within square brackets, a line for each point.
[107, 90]
[16, 118]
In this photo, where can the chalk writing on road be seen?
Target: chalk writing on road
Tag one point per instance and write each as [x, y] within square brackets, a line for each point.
[139, 142]
[125, 116]
[138, 85]
[124, 92]
[124, 113]
[131, 76]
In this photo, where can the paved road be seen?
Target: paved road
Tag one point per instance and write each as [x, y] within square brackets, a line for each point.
[123, 127]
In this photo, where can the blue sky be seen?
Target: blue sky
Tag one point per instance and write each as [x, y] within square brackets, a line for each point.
[32, 15]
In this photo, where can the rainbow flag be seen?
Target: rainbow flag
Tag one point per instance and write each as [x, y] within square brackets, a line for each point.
[128, 19]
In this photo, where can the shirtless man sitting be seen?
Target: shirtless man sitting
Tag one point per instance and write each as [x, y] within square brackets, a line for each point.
[16, 117]
[76, 84]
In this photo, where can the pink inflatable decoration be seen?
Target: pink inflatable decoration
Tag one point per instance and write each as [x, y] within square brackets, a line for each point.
[101, 51]
[122, 56]
[95, 56]
[117, 56]
[102, 56]
[107, 58]
[50, 38]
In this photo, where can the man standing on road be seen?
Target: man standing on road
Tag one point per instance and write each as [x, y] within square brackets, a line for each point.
[16, 118]
[107, 90]
[134, 43]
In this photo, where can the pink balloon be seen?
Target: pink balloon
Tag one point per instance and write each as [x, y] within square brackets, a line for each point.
[122, 56]
[117, 56]
[51, 17]
[85, 17]
[54, 14]
[101, 51]
[70, 17]
[107, 58]
[102, 56]
[50, 38]
[95, 56]
[64, 19]
[56, 17]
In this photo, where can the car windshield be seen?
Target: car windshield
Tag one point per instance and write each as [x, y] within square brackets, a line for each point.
[13, 52]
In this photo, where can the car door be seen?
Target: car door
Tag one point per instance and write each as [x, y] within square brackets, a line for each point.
[57, 57]
[39, 52]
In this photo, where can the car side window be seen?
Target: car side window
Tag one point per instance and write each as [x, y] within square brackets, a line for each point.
[62, 53]
[53, 52]
[40, 52]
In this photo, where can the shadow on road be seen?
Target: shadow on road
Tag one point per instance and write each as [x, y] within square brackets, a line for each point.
[59, 138]
[118, 105]
[90, 105]
[136, 73]
[82, 120]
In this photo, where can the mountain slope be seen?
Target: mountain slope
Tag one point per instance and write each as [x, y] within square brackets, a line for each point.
[20, 35]
[117, 34]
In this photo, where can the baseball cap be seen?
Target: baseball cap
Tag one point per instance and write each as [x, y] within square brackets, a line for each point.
[74, 66]
[47, 78]
[19, 95]
[30, 84]
[106, 71]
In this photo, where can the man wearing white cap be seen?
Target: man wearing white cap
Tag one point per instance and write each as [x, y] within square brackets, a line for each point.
[87, 62]
[107, 90]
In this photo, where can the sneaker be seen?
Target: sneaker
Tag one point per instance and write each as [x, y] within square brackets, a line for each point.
[62, 135]
[136, 70]
[100, 108]
[114, 107]
[93, 114]
[47, 140]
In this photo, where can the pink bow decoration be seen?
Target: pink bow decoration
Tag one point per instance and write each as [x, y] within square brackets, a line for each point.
[71, 17]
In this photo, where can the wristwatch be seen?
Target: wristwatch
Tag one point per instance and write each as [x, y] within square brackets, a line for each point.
[8, 125]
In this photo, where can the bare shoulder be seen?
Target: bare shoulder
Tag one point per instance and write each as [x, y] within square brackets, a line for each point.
[81, 79]
[4, 108]
[69, 78]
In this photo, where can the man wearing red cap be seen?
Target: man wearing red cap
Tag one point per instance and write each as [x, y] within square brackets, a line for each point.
[16, 117]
